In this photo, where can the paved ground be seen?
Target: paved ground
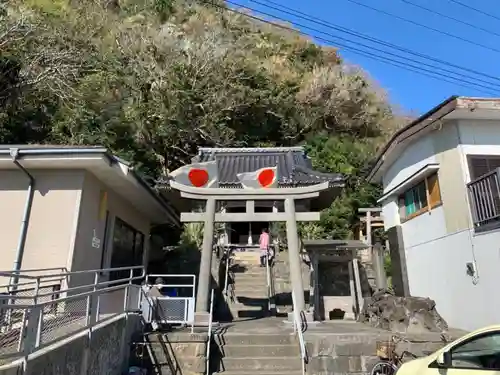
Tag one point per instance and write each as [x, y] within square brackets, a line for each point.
[350, 328]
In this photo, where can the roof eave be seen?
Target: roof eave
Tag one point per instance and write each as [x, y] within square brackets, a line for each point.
[422, 122]
[97, 151]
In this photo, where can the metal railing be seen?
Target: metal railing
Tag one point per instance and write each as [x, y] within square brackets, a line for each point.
[268, 280]
[299, 327]
[228, 290]
[484, 197]
[209, 334]
[29, 322]
[174, 302]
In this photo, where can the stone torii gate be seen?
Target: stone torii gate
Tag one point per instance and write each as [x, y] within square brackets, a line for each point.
[213, 195]
[252, 178]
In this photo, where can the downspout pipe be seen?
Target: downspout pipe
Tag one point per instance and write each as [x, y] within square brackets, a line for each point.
[14, 153]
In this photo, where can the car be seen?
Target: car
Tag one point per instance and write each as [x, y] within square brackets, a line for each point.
[477, 353]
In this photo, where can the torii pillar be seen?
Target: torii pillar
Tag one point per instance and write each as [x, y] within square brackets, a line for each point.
[210, 216]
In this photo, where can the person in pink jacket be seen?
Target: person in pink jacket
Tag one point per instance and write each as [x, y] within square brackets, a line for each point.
[264, 247]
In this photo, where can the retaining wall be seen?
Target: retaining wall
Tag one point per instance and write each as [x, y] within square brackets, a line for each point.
[356, 353]
[102, 350]
[180, 353]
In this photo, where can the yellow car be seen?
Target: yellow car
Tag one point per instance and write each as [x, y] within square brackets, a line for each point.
[477, 353]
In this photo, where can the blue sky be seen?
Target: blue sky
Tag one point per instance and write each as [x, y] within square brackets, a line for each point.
[410, 91]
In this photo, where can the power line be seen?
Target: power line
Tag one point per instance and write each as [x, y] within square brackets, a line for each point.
[450, 17]
[400, 64]
[424, 26]
[367, 53]
[357, 50]
[475, 9]
[319, 21]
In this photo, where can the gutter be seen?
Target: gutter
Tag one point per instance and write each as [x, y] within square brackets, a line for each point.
[173, 213]
[97, 150]
[399, 136]
[56, 151]
[14, 152]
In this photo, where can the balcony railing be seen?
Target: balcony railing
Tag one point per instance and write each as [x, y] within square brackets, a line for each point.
[484, 197]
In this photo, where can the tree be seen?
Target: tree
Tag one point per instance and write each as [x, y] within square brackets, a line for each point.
[155, 79]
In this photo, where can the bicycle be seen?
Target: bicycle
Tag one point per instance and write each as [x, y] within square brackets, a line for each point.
[390, 360]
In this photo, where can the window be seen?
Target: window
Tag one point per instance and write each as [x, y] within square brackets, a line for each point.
[480, 165]
[481, 352]
[484, 191]
[128, 249]
[420, 198]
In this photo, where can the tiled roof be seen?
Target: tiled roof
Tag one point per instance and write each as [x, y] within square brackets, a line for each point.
[294, 167]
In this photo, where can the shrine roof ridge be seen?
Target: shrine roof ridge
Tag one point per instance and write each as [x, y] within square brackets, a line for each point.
[249, 149]
[294, 166]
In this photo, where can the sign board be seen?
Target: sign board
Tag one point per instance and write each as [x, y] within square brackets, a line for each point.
[96, 242]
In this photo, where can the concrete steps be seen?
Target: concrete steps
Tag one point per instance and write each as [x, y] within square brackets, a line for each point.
[238, 306]
[259, 353]
[247, 258]
[250, 338]
[250, 288]
[255, 351]
[251, 293]
[250, 283]
[270, 364]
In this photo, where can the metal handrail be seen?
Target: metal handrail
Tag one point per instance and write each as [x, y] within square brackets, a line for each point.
[101, 270]
[68, 298]
[228, 262]
[34, 314]
[75, 288]
[298, 328]
[209, 334]
[38, 270]
[268, 279]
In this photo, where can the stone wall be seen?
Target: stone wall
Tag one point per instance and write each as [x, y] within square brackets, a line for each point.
[283, 285]
[180, 353]
[104, 350]
[356, 353]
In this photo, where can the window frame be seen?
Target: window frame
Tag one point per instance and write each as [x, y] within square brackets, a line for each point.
[430, 183]
[486, 158]
[135, 250]
[477, 203]
[465, 342]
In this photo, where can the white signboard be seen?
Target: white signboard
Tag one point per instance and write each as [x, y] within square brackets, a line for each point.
[96, 242]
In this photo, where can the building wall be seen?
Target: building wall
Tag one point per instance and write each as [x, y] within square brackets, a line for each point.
[415, 157]
[52, 220]
[447, 142]
[430, 224]
[91, 224]
[390, 211]
[439, 244]
[437, 269]
[478, 137]
[64, 219]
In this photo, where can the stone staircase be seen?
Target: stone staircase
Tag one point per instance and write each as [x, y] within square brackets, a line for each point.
[254, 352]
[253, 345]
[250, 287]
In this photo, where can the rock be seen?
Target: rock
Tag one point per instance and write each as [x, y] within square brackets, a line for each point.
[402, 314]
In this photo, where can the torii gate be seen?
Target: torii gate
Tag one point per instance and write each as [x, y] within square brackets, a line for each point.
[196, 182]
[209, 217]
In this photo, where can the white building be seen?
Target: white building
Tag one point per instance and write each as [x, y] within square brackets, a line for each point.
[440, 176]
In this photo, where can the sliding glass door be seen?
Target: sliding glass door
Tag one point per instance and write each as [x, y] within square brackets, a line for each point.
[128, 248]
